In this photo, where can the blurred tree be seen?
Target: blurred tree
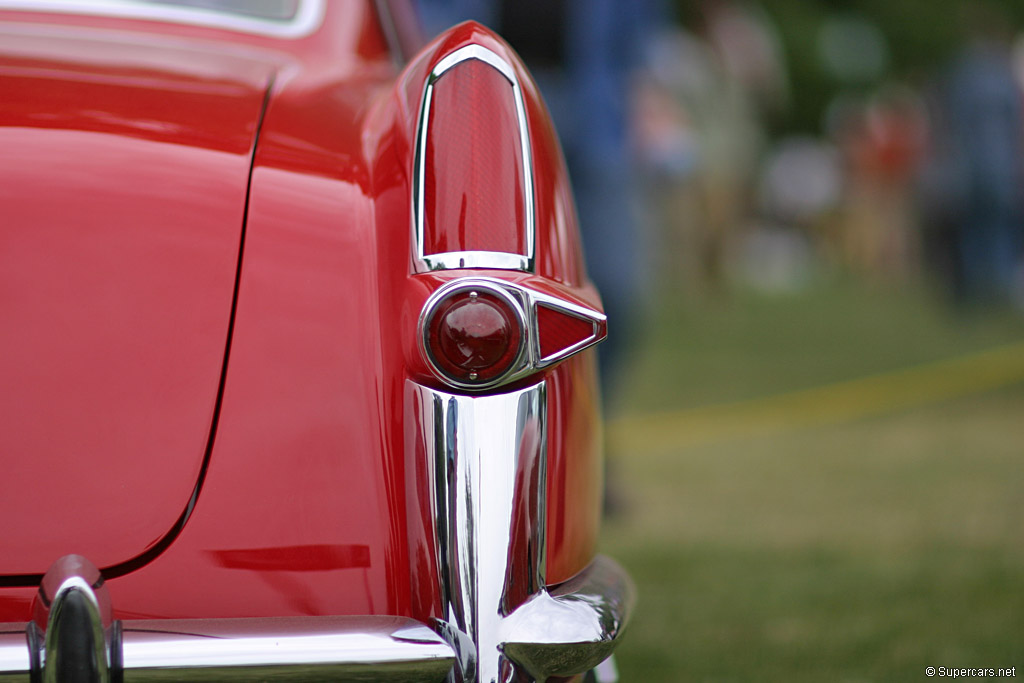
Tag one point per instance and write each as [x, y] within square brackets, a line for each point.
[921, 36]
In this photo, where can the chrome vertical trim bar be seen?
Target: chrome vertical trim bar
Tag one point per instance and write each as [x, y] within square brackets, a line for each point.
[489, 460]
[490, 478]
[472, 259]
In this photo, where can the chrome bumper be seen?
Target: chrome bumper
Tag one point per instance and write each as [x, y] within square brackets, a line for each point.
[500, 620]
[278, 649]
[569, 627]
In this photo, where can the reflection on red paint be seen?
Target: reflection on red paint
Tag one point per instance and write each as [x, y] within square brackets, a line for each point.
[295, 558]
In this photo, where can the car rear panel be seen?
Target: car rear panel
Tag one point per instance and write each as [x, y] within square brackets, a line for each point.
[312, 503]
[123, 179]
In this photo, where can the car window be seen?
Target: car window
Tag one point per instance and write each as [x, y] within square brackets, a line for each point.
[281, 18]
[275, 10]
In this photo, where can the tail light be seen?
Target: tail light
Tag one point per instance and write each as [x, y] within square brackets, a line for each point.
[479, 333]
[474, 334]
[473, 183]
[562, 331]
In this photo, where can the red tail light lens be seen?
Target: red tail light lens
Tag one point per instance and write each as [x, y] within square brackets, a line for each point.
[473, 183]
[474, 336]
[560, 331]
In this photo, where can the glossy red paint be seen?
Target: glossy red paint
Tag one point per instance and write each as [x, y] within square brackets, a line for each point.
[575, 473]
[303, 455]
[122, 219]
[309, 458]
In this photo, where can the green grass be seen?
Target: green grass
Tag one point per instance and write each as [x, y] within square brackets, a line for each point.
[860, 551]
[753, 345]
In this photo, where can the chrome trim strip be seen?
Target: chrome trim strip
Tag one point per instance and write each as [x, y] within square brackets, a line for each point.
[284, 649]
[607, 671]
[489, 460]
[474, 52]
[279, 649]
[306, 21]
[498, 260]
[472, 259]
[15, 665]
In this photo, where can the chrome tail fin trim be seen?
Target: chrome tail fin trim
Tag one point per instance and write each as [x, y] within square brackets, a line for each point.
[489, 460]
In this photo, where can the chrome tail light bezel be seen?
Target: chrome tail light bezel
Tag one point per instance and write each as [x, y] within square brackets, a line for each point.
[515, 304]
[472, 259]
[524, 301]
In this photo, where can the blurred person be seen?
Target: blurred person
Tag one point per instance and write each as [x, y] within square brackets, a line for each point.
[940, 201]
[883, 142]
[750, 50]
[668, 155]
[748, 84]
[698, 137]
[983, 113]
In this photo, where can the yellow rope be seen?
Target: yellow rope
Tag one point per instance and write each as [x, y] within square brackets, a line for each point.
[829, 404]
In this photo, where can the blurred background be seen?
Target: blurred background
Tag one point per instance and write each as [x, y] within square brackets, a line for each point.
[807, 220]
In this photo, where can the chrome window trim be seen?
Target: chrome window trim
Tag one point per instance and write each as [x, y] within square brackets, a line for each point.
[472, 259]
[308, 18]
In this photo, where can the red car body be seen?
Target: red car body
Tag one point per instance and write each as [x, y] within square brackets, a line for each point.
[212, 356]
